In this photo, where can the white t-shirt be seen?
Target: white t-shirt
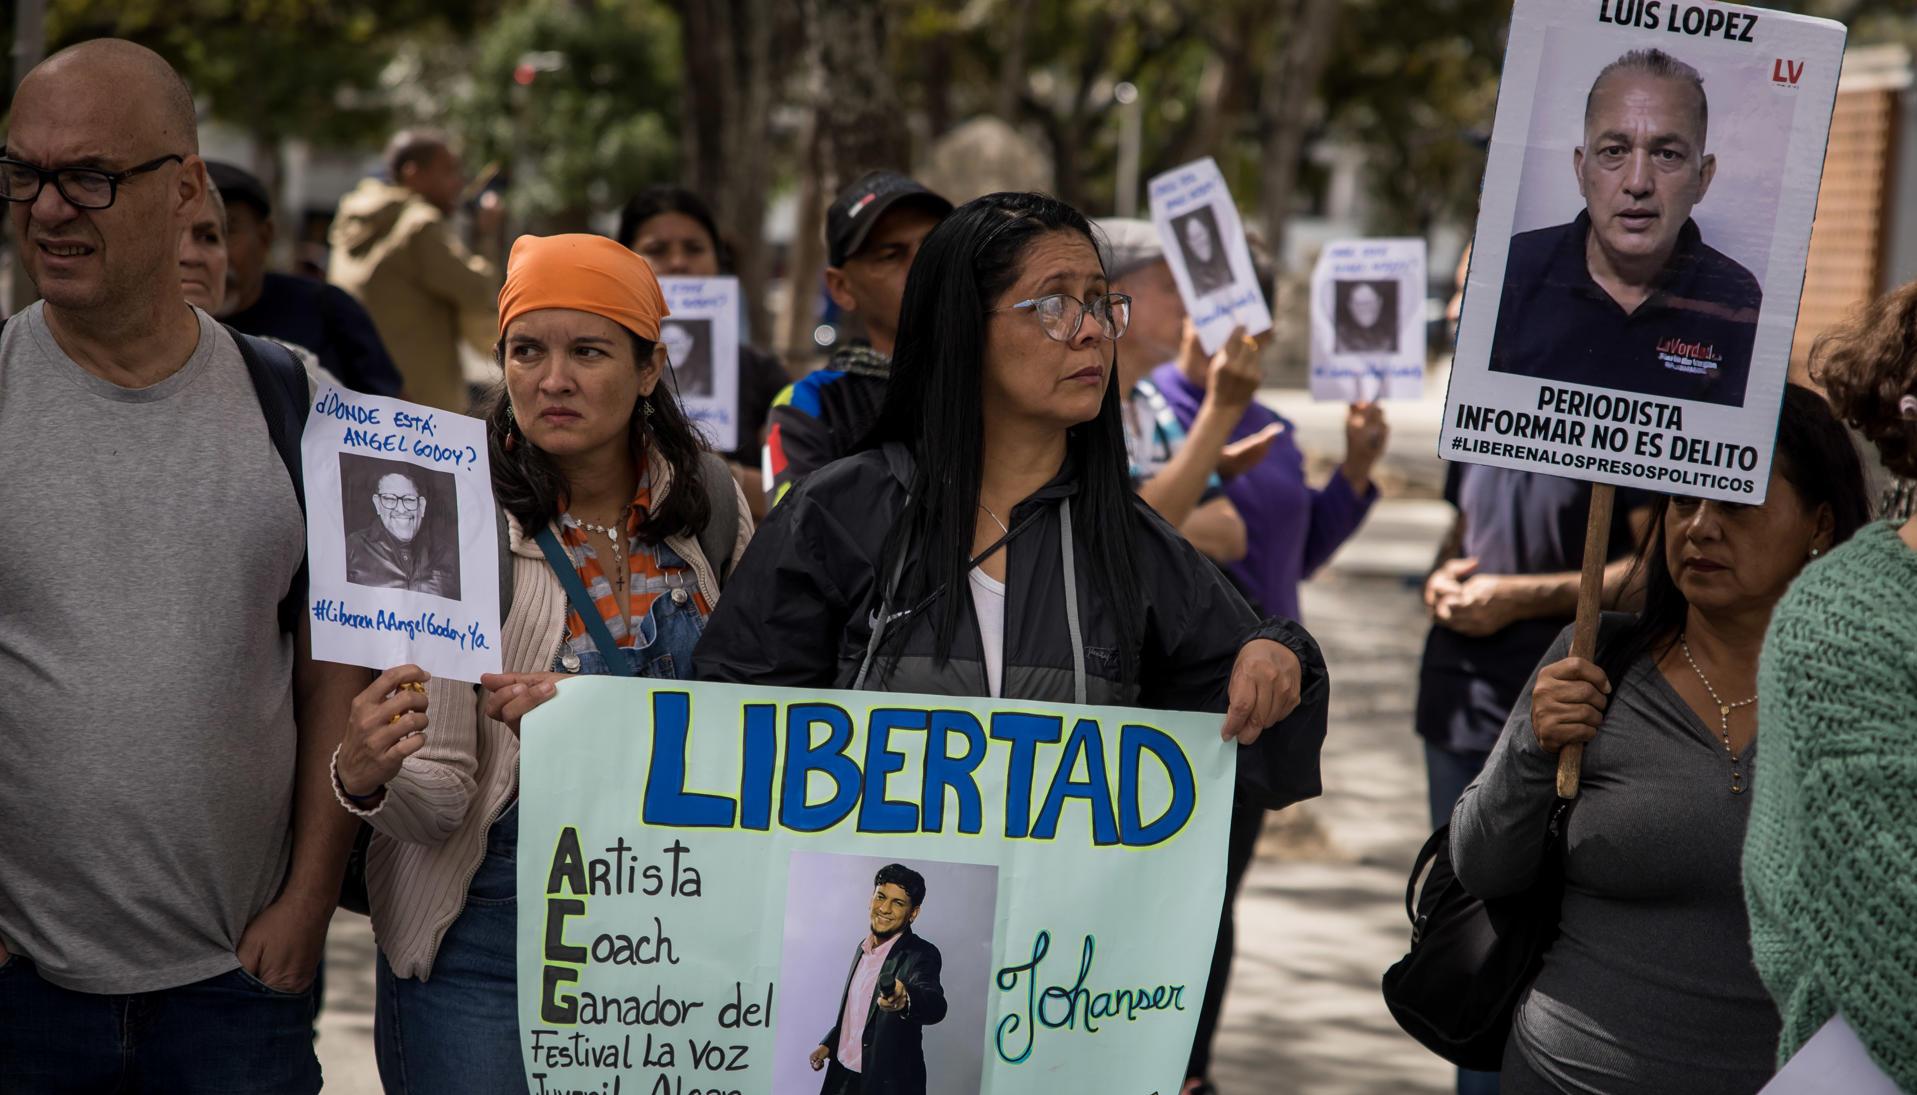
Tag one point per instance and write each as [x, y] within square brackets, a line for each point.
[988, 601]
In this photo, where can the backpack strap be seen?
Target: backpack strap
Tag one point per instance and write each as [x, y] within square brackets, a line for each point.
[504, 526]
[280, 383]
[722, 527]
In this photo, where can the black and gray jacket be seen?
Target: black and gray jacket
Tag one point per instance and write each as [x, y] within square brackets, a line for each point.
[802, 607]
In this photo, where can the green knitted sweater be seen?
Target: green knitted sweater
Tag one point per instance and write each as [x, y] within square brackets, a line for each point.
[1830, 860]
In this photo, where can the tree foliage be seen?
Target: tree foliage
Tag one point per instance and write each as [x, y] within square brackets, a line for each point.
[585, 135]
[306, 68]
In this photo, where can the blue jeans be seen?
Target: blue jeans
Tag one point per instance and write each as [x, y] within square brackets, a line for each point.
[226, 1035]
[1449, 774]
[458, 1031]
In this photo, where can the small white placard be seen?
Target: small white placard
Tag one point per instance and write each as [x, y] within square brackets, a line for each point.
[701, 336]
[402, 548]
[1367, 321]
[1205, 246]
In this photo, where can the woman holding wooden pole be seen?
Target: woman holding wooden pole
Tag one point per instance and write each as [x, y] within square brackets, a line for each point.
[1650, 986]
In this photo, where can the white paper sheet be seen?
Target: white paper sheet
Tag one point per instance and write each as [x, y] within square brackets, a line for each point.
[401, 541]
[1833, 1062]
[1367, 321]
[1639, 255]
[702, 342]
[1205, 247]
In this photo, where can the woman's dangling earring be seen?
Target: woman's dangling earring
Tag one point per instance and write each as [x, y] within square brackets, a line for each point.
[512, 430]
[645, 405]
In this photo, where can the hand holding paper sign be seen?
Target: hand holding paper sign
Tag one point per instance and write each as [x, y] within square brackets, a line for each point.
[509, 696]
[1233, 374]
[1266, 684]
[1568, 702]
[1365, 435]
[387, 725]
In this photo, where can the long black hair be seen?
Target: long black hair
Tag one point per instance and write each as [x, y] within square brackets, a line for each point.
[934, 405]
[533, 489]
[1814, 455]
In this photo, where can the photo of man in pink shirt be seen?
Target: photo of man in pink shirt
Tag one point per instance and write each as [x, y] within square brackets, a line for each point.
[892, 992]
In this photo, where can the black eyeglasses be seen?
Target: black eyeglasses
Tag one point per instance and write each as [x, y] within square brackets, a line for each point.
[82, 187]
[1061, 314]
[399, 503]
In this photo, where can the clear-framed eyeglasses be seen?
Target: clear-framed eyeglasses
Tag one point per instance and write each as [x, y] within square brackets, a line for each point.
[398, 503]
[1061, 315]
[82, 187]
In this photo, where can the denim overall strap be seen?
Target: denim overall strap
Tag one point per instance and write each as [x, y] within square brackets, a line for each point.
[568, 576]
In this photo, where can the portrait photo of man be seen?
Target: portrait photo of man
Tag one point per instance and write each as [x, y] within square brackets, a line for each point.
[1206, 260]
[1628, 295]
[892, 992]
[401, 526]
[1364, 317]
[689, 349]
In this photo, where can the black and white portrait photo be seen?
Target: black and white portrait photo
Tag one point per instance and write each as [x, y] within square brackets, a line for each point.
[1206, 260]
[1365, 317]
[401, 524]
[689, 347]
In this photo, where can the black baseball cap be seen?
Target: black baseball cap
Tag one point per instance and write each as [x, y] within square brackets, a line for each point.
[237, 184]
[849, 220]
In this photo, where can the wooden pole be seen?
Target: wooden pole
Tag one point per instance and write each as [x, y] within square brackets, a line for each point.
[1597, 550]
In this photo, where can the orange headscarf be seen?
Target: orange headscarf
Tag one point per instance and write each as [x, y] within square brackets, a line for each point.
[585, 273]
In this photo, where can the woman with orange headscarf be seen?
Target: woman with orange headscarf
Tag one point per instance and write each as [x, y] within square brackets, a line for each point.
[620, 528]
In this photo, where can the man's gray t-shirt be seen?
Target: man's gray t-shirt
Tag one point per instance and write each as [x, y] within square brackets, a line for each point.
[147, 742]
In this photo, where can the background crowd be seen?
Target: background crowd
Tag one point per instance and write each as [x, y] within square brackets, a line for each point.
[1117, 518]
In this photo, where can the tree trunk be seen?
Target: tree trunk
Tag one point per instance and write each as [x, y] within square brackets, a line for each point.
[855, 126]
[731, 72]
[1284, 117]
[1012, 74]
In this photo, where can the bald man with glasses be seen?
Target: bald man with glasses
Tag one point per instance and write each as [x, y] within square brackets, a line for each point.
[170, 851]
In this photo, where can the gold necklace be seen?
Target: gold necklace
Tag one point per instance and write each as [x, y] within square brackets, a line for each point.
[1723, 717]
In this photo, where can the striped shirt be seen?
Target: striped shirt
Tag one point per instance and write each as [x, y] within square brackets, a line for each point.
[656, 572]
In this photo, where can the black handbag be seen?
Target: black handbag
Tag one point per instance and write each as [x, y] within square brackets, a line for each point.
[1472, 959]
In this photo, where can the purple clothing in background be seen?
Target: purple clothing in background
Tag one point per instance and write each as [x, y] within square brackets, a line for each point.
[1290, 529]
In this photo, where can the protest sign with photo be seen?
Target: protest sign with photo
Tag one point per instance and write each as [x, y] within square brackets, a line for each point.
[1641, 243]
[700, 864]
[401, 541]
[701, 336]
[1367, 321]
[1205, 246]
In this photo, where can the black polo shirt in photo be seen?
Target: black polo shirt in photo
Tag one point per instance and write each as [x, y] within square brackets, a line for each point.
[1691, 339]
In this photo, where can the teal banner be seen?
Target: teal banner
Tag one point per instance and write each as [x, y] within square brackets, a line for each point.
[761, 891]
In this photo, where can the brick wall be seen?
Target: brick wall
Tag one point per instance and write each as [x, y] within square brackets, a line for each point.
[1847, 244]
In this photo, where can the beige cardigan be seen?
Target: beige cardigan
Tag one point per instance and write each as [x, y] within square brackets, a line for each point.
[429, 831]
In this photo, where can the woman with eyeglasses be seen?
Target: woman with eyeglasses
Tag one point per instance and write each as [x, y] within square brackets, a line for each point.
[987, 541]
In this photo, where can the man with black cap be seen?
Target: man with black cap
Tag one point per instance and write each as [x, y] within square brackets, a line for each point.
[872, 233]
[319, 318]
